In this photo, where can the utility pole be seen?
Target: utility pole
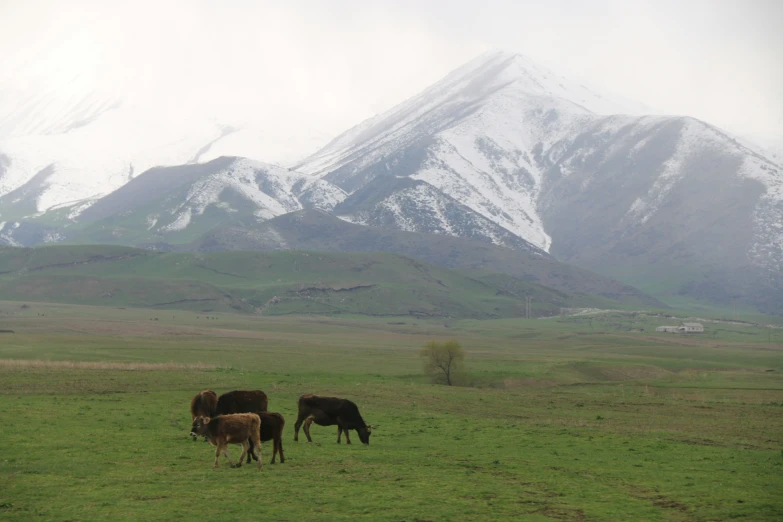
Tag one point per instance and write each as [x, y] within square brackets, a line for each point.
[528, 300]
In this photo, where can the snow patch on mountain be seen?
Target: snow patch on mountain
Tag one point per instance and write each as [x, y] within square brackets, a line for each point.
[463, 169]
[6, 234]
[767, 249]
[269, 189]
[692, 139]
[241, 178]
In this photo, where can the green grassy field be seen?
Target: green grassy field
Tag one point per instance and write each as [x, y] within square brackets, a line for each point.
[276, 283]
[573, 418]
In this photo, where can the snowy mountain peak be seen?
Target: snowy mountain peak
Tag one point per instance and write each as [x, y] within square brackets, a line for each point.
[495, 76]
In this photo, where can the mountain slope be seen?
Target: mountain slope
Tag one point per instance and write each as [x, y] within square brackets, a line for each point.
[317, 230]
[649, 197]
[416, 206]
[177, 204]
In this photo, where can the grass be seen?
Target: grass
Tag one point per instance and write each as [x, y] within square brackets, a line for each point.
[277, 283]
[563, 421]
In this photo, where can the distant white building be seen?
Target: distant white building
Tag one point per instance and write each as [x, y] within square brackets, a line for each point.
[671, 329]
[691, 327]
[683, 328]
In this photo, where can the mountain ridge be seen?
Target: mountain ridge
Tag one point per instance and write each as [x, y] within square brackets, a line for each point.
[501, 150]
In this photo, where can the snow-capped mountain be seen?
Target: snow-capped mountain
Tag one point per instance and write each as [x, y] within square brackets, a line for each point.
[473, 135]
[582, 175]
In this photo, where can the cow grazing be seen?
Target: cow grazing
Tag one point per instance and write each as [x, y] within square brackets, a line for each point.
[271, 429]
[203, 404]
[207, 404]
[241, 428]
[328, 411]
[242, 401]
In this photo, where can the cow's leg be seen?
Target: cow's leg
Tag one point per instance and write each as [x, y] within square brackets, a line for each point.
[246, 449]
[339, 433]
[251, 451]
[225, 453]
[280, 449]
[218, 450]
[257, 443]
[347, 437]
[307, 424]
[297, 425]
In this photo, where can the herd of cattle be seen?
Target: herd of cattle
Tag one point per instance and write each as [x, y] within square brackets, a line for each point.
[241, 417]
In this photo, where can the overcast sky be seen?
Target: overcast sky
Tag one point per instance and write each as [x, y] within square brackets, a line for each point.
[326, 65]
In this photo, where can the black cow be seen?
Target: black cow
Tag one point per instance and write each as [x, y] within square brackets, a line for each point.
[328, 411]
[242, 401]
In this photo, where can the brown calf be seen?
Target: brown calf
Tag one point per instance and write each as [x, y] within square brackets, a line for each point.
[240, 428]
[271, 429]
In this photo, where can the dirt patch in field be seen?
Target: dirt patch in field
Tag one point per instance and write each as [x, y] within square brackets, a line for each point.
[562, 513]
[86, 365]
[668, 503]
[623, 373]
[139, 328]
[528, 382]
[676, 510]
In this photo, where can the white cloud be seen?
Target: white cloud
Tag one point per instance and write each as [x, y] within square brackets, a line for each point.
[326, 65]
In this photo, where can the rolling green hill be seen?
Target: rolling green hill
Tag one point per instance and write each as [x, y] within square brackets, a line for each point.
[317, 230]
[270, 283]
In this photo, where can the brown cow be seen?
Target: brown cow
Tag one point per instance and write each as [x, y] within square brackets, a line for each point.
[240, 428]
[271, 429]
[242, 401]
[328, 411]
[203, 405]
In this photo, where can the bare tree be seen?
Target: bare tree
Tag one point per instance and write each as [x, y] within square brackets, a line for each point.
[443, 361]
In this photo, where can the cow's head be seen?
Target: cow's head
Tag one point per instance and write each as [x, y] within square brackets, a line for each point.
[199, 427]
[364, 434]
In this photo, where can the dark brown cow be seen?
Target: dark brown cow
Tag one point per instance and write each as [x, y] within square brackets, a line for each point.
[328, 411]
[242, 401]
[271, 429]
[240, 428]
[203, 405]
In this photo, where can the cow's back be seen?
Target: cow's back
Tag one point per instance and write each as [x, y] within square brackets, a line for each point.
[204, 404]
[242, 401]
[331, 406]
[271, 425]
[234, 426]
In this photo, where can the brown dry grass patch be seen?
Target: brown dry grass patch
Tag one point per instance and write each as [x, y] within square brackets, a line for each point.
[23, 364]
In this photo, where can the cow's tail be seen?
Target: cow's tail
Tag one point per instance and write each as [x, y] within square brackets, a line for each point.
[280, 429]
